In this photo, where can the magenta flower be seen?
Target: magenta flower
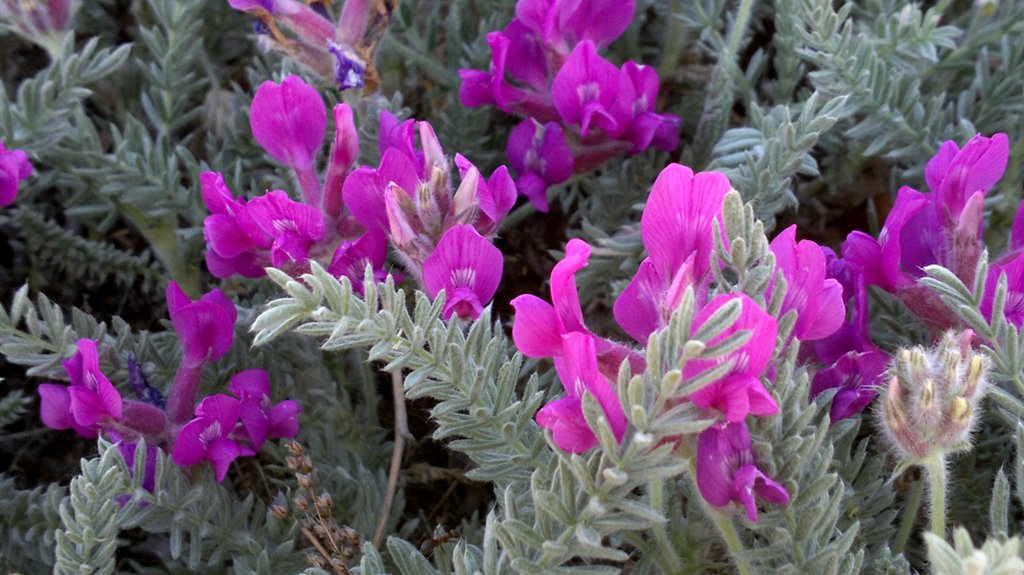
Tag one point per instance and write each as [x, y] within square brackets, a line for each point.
[205, 327]
[208, 436]
[541, 156]
[260, 419]
[726, 470]
[585, 92]
[467, 267]
[492, 199]
[539, 326]
[676, 229]
[55, 410]
[343, 155]
[14, 167]
[562, 24]
[294, 226]
[94, 400]
[943, 227]
[234, 246]
[817, 300]
[639, 87]
[740, 392]
[579, 371]
[288, 120]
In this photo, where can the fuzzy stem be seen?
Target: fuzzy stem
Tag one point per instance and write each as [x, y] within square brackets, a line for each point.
[732, 539]
[181, 402]
[674, 40]
[401, 432]
[739, 26]
[665, 555]
[913, 506]
[935, 466]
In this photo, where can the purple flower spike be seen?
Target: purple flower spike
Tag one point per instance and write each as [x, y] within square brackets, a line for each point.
[262, 420]
[726, 470]
[740, 392]
[14, 167]
[351, 258]
[540, 155]
[579, 371]
[207, 437]
[467, 267]
[818, 301]
[585, 91]
[205, 327]
[94, 400]
[289, 120]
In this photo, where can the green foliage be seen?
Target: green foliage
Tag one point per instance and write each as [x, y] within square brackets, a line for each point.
[994, 557]
[29, 519]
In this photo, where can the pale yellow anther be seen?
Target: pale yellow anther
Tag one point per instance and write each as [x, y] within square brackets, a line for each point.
[960, 409]
[927, 394]
[974, 373]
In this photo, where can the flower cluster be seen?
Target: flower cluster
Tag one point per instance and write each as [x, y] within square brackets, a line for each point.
[338, 50]
[14, 167]
[941, 227]
[579, 109]
[219, 429]
[349, 217]
[677, 229]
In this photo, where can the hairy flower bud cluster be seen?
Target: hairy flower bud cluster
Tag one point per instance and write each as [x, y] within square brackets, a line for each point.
[43, 22]
[932, 402]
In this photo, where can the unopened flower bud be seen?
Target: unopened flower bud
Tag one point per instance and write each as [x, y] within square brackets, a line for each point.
[301, 503]
[945, 384]
[280, 511]
[305, 481]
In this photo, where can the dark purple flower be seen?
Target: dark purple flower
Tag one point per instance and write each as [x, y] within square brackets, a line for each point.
[726, 470]
[351, 258]
[857, 376]
[541, 156]
[467, 267]
[350, 68]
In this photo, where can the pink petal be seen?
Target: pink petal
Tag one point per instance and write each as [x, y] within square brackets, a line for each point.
[637, 308]
[535, 327]
[222, 409]
[569, 429]
[55, 406]
[253, 383]
[677, 219]
[221, 452]
[284, 420]
[463, 259]
[289, 121]
[564, 295]
[188, 446]
[585, 89]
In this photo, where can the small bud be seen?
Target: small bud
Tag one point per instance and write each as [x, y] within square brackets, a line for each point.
[305, 481]
[280, 511]
[324, 503]
[301, 503]
[927, 394]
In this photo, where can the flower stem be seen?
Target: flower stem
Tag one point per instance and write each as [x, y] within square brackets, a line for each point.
[732, 539]
[665, 555]
[909, 517]
[401, 432]
[935, 466]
